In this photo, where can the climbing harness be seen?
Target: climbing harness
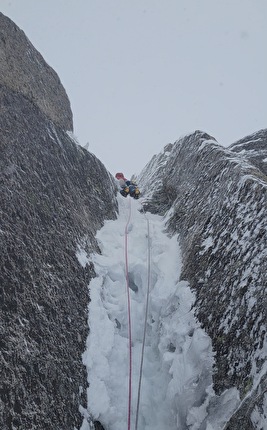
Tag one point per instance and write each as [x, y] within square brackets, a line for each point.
[129, 318]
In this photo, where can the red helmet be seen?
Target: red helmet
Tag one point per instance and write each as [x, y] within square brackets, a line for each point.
[119, 176]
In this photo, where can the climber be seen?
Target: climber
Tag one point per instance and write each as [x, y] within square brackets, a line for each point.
[127, 187]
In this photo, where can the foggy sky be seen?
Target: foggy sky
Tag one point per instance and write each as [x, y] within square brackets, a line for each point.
[142, 73]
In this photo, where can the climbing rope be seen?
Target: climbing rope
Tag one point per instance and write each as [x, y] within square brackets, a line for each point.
[145, 320]
[129, 316]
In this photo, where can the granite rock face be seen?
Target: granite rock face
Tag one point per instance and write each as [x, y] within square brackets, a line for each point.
[216, 200]
[23, 69]
[54, 197]
[254, 149]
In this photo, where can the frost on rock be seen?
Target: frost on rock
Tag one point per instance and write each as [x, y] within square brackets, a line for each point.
[259, 415]
[216, 199]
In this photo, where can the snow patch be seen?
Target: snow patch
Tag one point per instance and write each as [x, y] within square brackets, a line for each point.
[81, 256]
[206, 244]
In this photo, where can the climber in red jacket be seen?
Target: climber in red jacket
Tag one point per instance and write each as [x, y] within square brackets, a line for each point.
[127, 187]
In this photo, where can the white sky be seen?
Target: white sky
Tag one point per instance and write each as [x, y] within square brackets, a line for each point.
[142, 73]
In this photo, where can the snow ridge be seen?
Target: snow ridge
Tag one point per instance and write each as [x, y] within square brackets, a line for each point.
[176, 387]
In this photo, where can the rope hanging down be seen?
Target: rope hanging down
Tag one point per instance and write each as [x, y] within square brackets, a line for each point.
[145, 320]
[129, 316]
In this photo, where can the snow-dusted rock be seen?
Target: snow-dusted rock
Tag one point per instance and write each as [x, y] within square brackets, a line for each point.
[54, 197]
[217, 203]
[23, 69]
[254, 149]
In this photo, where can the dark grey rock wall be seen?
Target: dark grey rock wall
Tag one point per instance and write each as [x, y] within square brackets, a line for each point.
[254, 149]
[218, 205]
[24, 70]
[54, 196]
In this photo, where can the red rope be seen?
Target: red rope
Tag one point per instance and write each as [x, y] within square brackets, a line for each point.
[129, 317]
